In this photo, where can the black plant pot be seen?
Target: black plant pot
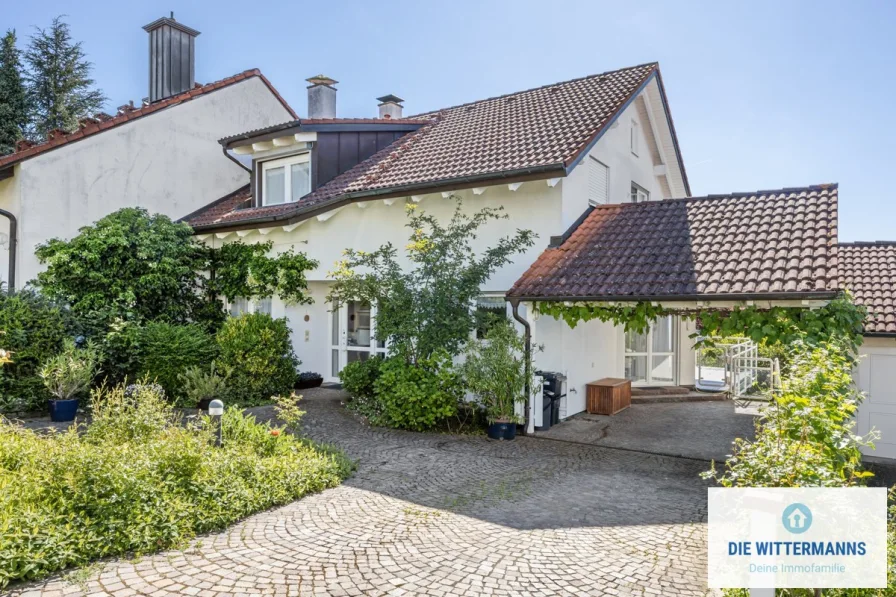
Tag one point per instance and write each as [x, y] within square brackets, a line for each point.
[304, 384]
[502, 430]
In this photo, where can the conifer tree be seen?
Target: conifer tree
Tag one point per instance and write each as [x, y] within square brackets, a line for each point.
[60, 89]
[13, 103]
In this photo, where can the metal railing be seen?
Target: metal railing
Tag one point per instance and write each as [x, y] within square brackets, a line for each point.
[734, 366]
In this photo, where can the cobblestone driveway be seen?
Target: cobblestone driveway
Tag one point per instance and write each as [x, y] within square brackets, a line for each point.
[446, 515]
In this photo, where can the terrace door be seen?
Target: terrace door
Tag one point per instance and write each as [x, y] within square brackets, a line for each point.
[650, 358]
[352, 336]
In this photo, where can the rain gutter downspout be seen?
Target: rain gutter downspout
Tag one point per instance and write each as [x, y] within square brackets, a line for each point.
[515, 305]
[236, 161]
[13, 225]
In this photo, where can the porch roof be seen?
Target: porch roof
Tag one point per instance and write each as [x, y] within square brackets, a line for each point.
[869, 272]
[773, 245]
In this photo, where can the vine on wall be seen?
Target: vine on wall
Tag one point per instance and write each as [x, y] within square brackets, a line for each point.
[840, 319]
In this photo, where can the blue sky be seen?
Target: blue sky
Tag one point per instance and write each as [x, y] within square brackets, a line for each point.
[764, 94]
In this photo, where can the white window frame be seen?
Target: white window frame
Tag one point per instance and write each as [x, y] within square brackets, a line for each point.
[639, 194]
[286, 164]
[649, 355]
[635, 137]
[252, 306]
[508, 312]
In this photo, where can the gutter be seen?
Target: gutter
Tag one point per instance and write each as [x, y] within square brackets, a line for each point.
[535, 173]
[235, 161]
[515, 305]
[13, 236]
[775, 296]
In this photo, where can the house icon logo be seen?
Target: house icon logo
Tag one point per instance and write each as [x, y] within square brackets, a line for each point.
[797, 518]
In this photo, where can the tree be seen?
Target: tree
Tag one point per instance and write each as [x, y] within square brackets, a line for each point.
[13, 102]
[429, 306]
[59, 85]
[135, 266]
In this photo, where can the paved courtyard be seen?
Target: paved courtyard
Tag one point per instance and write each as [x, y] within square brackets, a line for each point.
[440, 515]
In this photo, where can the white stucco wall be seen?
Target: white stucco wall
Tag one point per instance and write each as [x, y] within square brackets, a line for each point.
[168, 162]
[876, 377]
[614, 150]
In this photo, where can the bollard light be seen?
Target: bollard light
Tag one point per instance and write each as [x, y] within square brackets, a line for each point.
[216, 410]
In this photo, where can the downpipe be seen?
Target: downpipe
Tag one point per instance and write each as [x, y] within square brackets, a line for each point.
[527, 334]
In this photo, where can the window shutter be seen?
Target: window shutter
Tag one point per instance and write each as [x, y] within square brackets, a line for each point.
[598, 182]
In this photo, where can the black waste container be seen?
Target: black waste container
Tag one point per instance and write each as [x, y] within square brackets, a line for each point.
[550, 399]
[547, 412]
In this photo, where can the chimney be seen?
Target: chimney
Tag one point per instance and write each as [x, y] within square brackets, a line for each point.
[172, 58]
[390, 106]
[321, 97]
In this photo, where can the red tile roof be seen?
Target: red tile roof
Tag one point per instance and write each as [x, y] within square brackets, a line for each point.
[751, 244]
[868, 270]
[127, 113]
[540, 130]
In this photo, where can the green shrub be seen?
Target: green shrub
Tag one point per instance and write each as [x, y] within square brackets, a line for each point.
[69, 374]
[34, 329]
[165, 351]
[201, 386]
[358, 377]
[417, 396]
[495, 371]
[136, 481]
[256, 358]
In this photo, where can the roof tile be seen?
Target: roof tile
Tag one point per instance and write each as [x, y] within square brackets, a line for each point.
[868, 270]
[687, 247]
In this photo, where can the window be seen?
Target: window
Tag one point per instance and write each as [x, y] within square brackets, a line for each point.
[635, 136]
[639, 194]
[598, 182]
[286, 180]
[241, 305]
[489, 310]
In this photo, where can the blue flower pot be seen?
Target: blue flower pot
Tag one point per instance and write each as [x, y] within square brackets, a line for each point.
[502, 430]
[62, 411]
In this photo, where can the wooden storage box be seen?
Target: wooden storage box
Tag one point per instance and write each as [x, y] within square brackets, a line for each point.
[608, 396]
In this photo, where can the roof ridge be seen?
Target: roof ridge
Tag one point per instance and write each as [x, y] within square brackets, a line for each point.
[94, 125]
[654, 64]
[868, 243]
[783, 191]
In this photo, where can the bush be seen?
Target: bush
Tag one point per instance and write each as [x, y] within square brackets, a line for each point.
[165, 351]
[417, 396]
[358, 379]
[256, 358]
[495, 370]
[34, 329]
[70, 373]
[136, 481]
[201, 387]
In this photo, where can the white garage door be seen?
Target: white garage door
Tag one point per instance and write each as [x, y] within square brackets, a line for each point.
[877, 378]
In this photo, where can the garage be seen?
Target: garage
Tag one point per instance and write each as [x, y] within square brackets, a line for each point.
[877, 379]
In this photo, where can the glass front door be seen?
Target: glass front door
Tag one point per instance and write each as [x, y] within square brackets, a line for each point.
[650, 357]
[352, 336]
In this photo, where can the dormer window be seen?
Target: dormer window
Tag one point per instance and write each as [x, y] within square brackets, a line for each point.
[286, 180]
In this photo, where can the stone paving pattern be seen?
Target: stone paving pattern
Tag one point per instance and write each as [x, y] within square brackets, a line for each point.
[444, 515]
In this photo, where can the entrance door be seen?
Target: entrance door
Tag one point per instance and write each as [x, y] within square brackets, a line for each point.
[352, 336]
[650, 358]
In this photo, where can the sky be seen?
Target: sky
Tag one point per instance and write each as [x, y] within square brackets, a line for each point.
[764, 95]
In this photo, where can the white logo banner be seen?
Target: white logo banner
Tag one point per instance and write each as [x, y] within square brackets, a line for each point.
[798, 538]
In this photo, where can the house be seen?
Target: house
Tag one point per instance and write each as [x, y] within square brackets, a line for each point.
[162, 155]
[592, 165]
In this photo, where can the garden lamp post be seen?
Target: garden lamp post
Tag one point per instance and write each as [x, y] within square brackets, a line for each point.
[216, 410]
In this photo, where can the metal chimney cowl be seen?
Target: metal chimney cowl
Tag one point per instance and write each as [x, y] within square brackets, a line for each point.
[390, 106]
[321, 97]
[172, 58]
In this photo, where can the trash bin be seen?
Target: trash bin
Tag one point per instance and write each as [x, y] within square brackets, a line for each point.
[551, 395]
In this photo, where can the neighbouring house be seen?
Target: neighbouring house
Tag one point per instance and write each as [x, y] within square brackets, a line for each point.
[593, 166]
[162, 154]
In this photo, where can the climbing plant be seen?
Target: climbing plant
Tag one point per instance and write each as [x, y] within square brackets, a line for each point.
[840, 319]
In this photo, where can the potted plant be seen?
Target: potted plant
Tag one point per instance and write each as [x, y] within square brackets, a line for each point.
[495, 371]
[201, 387]
[309, 379]
[66, 376]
